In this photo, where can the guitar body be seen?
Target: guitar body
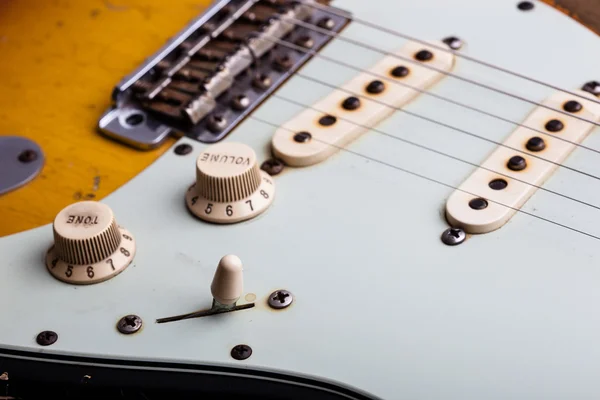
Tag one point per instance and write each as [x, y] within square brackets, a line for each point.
[382, 308]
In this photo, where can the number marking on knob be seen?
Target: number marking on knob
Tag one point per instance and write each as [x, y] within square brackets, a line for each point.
[89, 247]
[230, 187]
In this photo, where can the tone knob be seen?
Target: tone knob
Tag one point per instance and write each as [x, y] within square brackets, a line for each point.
[230, 187]
[89, 246]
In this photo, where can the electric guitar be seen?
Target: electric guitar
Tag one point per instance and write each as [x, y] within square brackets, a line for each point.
[300, 200]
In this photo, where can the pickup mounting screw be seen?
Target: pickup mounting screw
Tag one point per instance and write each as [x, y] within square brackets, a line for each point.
[280, 299]
[272, 166]
[129, 324]
[216, 123]
[46, 338]
[453, 236]
[592, 87]
[241, 352]
[453, 42]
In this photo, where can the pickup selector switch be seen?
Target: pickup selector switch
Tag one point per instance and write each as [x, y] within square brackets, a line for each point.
[89, 247]
[230, 187]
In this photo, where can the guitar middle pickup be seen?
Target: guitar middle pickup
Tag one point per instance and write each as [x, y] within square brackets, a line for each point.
[313, 136]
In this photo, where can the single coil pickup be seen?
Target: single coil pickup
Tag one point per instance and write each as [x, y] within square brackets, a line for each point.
[486, 200]
[313, 136]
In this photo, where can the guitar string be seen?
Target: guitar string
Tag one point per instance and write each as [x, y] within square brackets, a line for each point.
[423, 91]
[448, 126]
[409, 142]
[340, 13]
[427, 178]
[425, 65]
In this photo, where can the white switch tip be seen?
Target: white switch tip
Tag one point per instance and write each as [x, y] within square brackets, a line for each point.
[228, 283]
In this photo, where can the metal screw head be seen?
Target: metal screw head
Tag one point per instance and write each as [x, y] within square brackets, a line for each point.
[592, 87]
[240, 102]
[525, 6]
[280, 299]
[28, 156]
[216, 123]
[183, 149]
[453, 42]
[283, 63]
[305, 41]
[453, 236]
[262, 81]
[326, 23]
[129, 324]
[272, 166]
[241, 352]
[46, 338]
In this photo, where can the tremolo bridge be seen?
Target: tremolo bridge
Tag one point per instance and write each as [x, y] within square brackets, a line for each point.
[215, 71]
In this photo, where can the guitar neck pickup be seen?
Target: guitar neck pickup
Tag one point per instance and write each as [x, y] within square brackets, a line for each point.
[227, 54]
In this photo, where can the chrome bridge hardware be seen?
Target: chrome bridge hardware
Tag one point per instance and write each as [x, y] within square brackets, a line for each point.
[513, 172]
[214, 72]
[21, 160]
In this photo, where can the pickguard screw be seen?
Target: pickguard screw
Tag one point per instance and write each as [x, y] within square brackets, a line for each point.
[592, 87]
[453, 236]
[28, 156]
[305, 41]
[216, 123]
[183, 149]
[241, 352]
[46, 338]
[129, 324]
[326, 23]
[525, 6]
[272, 166]
[240, 102]
[453, 42]
[262, 81]
[283, 63]
[280, 299]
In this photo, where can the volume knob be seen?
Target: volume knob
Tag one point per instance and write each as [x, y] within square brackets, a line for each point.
[230, 187]
[89, 246]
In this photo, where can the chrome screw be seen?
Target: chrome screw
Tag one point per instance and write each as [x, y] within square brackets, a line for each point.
[453, 236]
[280, 299]
[129, 324]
